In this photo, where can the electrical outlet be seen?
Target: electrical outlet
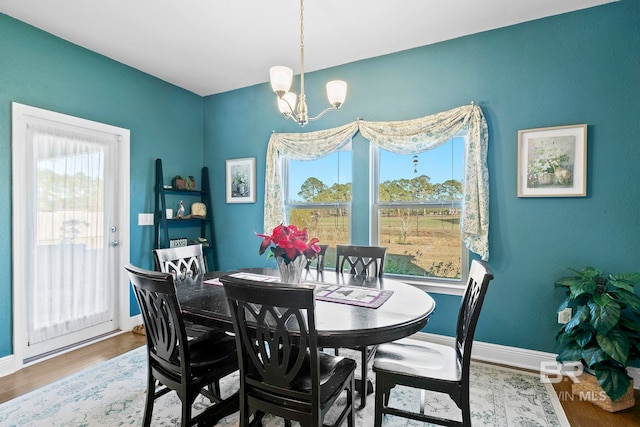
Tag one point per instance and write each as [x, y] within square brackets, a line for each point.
[145, 219]
[564, 316]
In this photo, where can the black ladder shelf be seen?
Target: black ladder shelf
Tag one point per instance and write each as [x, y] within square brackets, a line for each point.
[162, 224]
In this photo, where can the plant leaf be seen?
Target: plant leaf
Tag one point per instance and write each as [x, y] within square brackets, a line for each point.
[630, 278]
[583, 337]
[593, 355]
[586, 286]
[613, 380]
[582, 314]
[629, 321]
[570, 353]
[601, 299]
[615, 344]
[620, 284]
[603, 318]
[634, 353]
[628, 298]
[565, 281]
[587, 272]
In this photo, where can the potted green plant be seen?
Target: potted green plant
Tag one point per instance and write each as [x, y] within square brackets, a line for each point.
[604, 331]
[184, 182]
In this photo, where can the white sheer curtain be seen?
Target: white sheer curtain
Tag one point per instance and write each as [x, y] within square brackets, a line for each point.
[403, 137]
[66, 288]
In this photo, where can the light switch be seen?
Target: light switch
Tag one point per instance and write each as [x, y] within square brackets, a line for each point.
[145, 219]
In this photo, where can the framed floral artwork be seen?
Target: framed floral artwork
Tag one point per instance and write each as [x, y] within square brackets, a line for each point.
[241, 180]
[552, 162]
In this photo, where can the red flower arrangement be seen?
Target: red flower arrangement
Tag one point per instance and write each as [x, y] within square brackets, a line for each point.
[289, 242]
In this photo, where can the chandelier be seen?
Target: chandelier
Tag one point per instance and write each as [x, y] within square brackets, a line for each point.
[295, 107]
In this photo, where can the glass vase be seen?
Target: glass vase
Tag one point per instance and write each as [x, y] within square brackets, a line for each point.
[292, 272]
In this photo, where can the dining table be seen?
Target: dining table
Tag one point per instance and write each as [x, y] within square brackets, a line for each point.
[383, 310]
[340, 322]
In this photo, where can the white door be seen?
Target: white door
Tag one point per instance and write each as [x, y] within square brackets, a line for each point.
[69, 229]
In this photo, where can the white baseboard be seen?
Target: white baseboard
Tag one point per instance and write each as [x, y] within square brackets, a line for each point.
[512, 356]
[494, 353]
[635, 374]
[7, 365]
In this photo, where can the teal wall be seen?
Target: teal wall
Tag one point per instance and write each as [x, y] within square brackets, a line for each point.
[581, 67]
[43, 71]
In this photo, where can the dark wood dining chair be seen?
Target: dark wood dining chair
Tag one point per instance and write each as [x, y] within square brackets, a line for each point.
[282, 371]
[360, 260]
[175, 362]
[434, 367]
[186, 263]
[363, 261]
[319, 259]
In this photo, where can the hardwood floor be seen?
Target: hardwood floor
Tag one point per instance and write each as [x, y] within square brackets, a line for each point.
[40, 374]
[585, 414]
[579, 413]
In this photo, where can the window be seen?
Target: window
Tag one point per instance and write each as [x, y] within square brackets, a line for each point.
[461, 129]
[416, 211]
[318, 197]
[415, 208]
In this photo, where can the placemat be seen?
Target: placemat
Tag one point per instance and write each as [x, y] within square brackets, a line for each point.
[342, 294]
[352, 295]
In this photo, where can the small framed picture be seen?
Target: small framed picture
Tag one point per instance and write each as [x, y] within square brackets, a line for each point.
[178, 243]
[552, 162]
[241, 180]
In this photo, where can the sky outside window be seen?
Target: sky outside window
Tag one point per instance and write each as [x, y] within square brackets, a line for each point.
[336, 167]
[436, 164]
[332, 169]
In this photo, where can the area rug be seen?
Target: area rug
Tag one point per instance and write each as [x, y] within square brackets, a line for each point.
[112, 393]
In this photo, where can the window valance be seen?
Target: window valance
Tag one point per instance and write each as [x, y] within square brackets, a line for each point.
[402, 137]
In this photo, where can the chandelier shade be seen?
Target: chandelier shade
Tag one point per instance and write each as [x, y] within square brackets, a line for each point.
[294, 106]
[336, 92]
[287, 103]
[281, 78]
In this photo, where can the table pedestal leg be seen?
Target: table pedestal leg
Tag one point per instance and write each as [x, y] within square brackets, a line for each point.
[358, 386]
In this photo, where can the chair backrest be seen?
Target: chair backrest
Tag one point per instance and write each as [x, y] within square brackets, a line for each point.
[184, 262]
[479, 278]
[360, 260]
[275, 330]
[167, 344]
[319, 259]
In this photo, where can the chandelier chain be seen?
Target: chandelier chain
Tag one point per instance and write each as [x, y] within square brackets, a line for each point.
[302, 51]
[301, 23]
[281, 79]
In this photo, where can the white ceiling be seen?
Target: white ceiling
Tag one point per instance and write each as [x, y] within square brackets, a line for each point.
[213, 46]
